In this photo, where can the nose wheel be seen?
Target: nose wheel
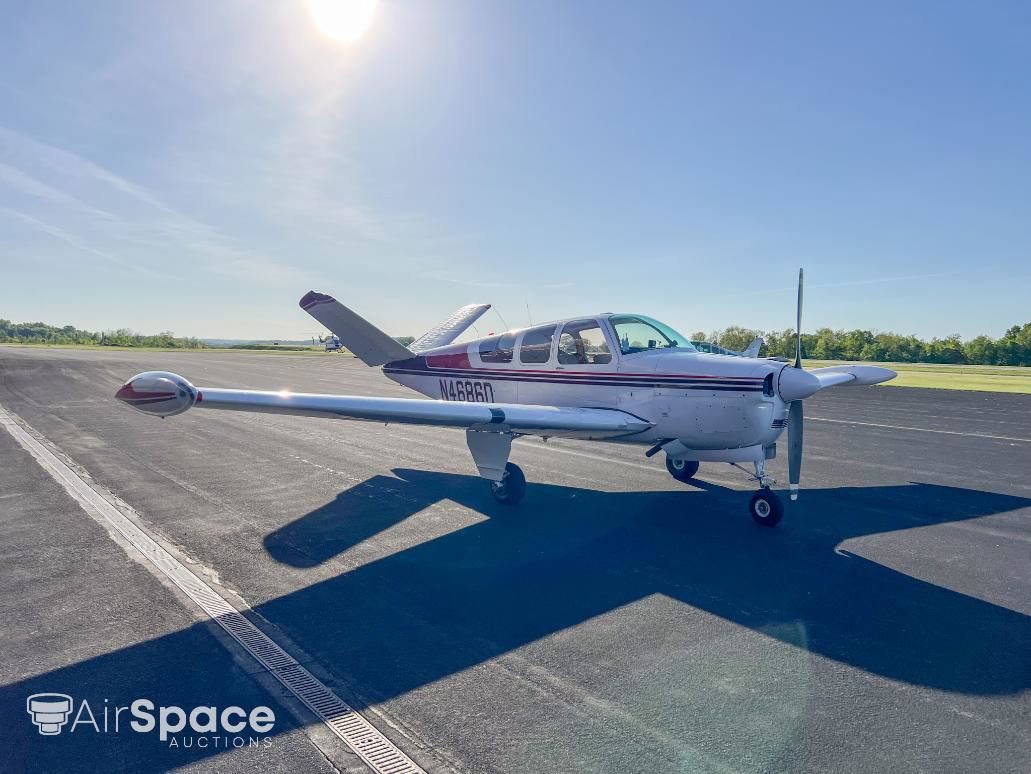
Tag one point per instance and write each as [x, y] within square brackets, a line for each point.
[512, 486]
[766, 508]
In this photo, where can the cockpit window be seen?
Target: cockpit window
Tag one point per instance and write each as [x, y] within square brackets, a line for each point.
[583, 343]
[637, 333]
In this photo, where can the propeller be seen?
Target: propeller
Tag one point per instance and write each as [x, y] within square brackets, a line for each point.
[795, 409]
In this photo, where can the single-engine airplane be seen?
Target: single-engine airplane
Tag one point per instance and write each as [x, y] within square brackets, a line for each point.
[606, 377]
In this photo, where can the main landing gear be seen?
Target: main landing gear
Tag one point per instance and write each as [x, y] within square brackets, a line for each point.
[512, 486]
[681, 470]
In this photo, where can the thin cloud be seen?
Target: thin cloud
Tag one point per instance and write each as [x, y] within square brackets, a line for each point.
[64, 236]
[31, 187]
[159, 225]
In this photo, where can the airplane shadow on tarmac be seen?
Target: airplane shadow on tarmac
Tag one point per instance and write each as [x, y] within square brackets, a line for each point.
[566, 555]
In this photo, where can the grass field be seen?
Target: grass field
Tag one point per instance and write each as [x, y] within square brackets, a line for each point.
[952, 377]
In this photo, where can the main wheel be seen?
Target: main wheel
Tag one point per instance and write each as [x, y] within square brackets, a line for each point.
[512, 486]
[766, 508]
[681, 470]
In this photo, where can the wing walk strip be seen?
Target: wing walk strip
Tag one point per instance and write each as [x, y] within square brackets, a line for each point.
[378, 752]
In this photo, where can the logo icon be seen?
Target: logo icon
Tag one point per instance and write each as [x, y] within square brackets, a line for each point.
[49, 711]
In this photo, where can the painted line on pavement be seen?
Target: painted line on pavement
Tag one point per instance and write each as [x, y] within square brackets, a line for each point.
[919, 429]
[375, 749]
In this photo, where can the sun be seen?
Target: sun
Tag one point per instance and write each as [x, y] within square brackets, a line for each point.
[343, 20]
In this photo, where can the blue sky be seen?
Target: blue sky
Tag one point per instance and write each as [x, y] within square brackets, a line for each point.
[197, 166]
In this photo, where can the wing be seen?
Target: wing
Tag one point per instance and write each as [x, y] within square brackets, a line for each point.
[501, 417]
[166, 394]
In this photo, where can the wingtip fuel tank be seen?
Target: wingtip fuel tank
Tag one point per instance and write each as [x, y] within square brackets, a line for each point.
[159, 393]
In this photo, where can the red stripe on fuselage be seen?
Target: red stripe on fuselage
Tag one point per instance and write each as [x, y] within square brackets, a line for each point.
[452, 360]
[592, 374]
[458, 359]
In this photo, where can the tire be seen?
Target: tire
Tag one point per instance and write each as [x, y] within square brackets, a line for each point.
[512, 486]
[686, 470]
[766, 508]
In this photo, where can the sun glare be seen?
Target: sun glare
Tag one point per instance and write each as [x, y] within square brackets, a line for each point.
[343, 20]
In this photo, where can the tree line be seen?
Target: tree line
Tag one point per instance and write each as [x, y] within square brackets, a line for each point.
[41, 333]
[1012, 348]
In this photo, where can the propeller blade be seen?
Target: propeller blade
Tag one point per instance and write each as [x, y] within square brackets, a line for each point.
[798, 325]
[794, 446]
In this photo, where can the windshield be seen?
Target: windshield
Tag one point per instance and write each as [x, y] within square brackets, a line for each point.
[637, 333]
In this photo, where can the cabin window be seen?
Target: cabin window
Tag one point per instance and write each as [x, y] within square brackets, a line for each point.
[536, 346]
[498, 349]
[583, 343]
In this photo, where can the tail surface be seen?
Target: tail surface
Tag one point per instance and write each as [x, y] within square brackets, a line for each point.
[753, 349]
[449, 330]
[368, 343]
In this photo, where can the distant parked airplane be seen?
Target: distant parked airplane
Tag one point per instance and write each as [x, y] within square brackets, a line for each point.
[332, 343]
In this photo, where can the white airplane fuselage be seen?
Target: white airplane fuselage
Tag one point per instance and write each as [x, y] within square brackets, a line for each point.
[707, 402]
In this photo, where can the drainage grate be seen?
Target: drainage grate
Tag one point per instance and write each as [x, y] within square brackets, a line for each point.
[359, 734]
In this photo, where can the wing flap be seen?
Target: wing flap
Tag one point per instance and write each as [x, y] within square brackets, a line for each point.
[551, 421]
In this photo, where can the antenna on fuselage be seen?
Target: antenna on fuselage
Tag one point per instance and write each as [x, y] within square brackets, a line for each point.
[501, 318]
[528, 315]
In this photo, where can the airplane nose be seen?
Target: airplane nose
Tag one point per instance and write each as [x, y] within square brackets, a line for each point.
[796, 384]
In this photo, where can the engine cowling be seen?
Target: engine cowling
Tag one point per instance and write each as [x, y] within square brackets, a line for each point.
[160, 393]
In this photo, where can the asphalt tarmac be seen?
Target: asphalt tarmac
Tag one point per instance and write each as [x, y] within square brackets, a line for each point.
[616, 620]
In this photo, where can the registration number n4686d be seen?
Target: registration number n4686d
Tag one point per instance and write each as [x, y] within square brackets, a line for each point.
[466, 390]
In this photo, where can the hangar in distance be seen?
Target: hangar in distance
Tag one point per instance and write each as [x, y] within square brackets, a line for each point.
[623, 378]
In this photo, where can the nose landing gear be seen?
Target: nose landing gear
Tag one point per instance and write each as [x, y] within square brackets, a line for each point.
[766, 508]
